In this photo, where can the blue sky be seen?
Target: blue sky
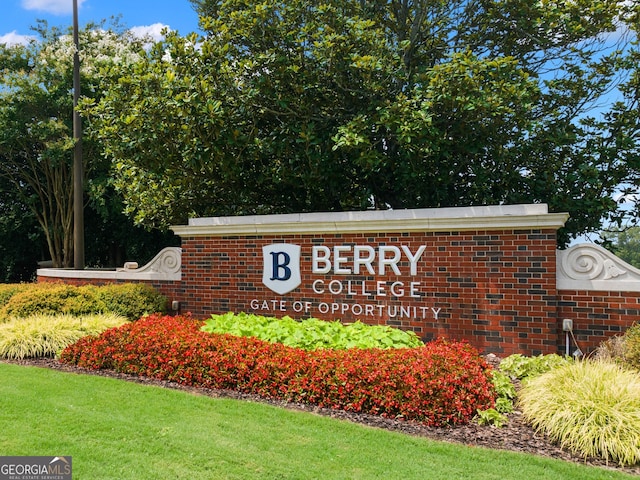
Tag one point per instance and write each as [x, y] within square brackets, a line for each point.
[18, 15]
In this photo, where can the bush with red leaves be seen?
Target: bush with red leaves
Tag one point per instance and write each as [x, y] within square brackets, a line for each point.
[442, 383]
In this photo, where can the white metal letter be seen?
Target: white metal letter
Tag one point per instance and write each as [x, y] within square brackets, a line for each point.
[413, 259]
[392, 262]
[339, 260]
[359, 259]
[321, 259]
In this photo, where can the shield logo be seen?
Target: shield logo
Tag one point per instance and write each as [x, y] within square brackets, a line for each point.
[281, 272]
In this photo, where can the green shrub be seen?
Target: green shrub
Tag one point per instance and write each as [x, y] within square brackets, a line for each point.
[312, 333]
[51, 299]
[506, 393]
[131, 300]
[589, 407]
[45, 336]
[491, 416]
[521, 367]
[632, 346]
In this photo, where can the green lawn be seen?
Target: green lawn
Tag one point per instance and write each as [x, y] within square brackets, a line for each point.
[119, 430]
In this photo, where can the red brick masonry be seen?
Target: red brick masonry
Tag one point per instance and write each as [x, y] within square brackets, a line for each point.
[483, 274]
[498, 291]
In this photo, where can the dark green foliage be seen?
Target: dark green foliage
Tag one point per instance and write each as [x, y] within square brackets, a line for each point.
[22, 242]
[336, 105]
[625, 244]
[36, 156]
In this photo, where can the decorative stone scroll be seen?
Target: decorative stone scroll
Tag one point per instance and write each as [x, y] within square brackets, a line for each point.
[165, 266]
[168, 261]
[590, 267]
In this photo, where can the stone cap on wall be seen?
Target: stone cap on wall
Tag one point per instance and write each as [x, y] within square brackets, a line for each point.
[165, 266]
[498, 217]
[588, 266]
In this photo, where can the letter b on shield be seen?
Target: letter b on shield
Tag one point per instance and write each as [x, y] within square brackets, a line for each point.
[281, 272]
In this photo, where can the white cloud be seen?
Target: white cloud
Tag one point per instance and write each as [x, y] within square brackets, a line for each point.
[14, 38]
[57, 7]
[150, 31]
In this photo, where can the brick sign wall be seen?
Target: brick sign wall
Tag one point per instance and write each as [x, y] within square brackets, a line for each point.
[486, 275]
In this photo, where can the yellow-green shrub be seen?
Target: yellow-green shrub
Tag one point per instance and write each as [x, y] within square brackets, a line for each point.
[51, 299]
[589, 407]
[8, 290]
[131, 300]
[45, 336]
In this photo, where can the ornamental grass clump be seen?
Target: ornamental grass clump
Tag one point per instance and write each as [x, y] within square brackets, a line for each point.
[45, 336]
[589, 407]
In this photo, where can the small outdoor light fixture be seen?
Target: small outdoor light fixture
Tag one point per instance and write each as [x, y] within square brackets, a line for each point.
[567, 327]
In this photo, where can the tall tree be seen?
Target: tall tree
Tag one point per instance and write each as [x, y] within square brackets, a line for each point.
[345, 104]
[36, 137]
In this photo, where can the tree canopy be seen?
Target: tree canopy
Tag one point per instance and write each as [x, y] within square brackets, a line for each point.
[625, 244]
[297, 106]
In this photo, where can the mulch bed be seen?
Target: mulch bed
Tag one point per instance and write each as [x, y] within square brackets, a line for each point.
[516, 436]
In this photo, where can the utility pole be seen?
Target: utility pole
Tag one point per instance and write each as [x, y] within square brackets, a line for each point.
[78, 168]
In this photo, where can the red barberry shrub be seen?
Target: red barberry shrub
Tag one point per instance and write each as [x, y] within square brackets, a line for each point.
[442, 383]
